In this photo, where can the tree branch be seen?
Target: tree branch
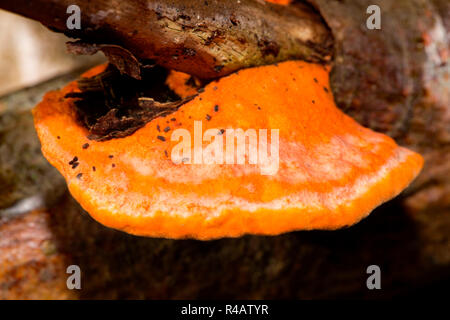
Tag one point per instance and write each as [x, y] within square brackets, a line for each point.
[207, 39]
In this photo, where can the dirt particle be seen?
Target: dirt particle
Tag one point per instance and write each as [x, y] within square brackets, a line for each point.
[189, 52]
[208, 117]
[184, 17]
[161, 138]
[79, 175]
[233, 20]
[85, 146]
[268, 47]
[75, 159]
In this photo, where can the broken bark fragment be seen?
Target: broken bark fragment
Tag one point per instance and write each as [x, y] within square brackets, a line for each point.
[120, 57]
[114, 105]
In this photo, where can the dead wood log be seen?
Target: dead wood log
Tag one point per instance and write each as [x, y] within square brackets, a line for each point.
[207, 39]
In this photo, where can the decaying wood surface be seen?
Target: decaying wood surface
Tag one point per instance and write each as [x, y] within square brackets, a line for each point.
[207, 39]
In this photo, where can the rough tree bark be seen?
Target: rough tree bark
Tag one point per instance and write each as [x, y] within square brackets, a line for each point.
[207, 39]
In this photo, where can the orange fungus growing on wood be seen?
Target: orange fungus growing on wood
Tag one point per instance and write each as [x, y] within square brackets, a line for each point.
[284, 2]
[331, 172]
[182, 84]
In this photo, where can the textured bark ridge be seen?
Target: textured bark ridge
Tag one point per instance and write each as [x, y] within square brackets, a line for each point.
[207, 39]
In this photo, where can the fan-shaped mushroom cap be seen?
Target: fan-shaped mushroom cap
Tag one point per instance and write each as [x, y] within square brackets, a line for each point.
[331, 173]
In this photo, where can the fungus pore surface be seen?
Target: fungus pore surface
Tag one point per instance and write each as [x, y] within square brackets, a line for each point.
[331, 172]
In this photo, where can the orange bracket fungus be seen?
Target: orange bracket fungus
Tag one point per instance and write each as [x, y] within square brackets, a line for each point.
[329, 172]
